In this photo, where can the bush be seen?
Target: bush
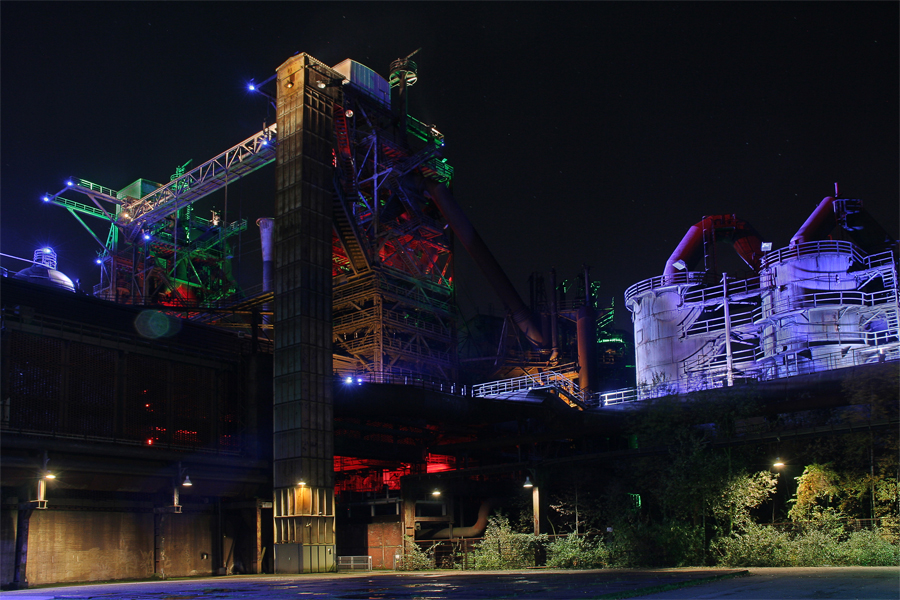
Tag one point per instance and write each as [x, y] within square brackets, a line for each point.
[815, 545]
[502, 548]
[656, 545]
[414, 558]
[872, 548]
[757, 546]
[577, 551]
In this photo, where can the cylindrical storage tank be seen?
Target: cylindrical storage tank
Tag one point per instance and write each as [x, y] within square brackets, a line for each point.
[659, 349]
[43, 271]
[811, 302]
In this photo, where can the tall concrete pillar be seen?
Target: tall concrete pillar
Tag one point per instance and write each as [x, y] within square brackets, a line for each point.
[303, 425]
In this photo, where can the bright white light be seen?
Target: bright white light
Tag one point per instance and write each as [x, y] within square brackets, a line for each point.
[348, 380]
[679, 264]
[69, 183]
[766, 246]
[99, 261]
[251, 87]
[146, 236]
[46, 198]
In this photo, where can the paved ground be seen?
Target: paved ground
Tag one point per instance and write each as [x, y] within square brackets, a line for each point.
[870, 583]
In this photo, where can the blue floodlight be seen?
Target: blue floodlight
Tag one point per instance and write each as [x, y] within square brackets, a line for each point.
[348, 380]
[46, 198]
[359, 381]
[99, 261]
[251, 86]
[265, 142]
[70, 183]
[146, 236]
[48, 249]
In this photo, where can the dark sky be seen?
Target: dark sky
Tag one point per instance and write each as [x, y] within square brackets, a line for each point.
[581, 133]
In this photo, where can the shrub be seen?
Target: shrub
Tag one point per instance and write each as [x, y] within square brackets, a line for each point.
[577, 551]
[656, 545]
[414, 558]
[814, 545]
[872, 548]
[502, 548]
[756, 546]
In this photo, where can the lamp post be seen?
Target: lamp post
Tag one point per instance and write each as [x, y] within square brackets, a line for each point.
[777, 465]
[535, 500]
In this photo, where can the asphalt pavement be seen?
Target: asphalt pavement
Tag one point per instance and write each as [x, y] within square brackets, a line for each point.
[870, 583]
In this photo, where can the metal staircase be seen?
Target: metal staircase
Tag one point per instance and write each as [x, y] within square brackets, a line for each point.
[558, 383]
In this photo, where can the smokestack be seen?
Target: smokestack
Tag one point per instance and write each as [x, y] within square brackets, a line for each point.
[267, 233]
[587, 338]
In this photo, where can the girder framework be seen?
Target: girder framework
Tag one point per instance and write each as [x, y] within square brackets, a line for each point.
[392, 265]
[155, 250]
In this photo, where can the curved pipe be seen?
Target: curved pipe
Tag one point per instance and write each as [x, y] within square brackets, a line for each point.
[819, 223]
[473, 531]
[489, 266]
[743, 237]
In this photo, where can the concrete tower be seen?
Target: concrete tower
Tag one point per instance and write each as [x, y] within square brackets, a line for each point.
[303, 445]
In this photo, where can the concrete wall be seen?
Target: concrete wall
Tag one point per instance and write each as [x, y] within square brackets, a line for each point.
[72, 546]
[68, 546]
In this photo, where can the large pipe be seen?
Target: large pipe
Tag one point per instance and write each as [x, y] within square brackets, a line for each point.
[478, 250]
[463, 532]
[267, 235]
[818, 224]
[554, 317]
[587, 338]
[743, 237]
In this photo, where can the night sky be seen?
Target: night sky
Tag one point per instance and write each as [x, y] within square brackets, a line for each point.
[581, 133]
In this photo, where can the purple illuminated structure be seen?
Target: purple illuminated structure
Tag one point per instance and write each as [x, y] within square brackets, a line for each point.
[827, 301]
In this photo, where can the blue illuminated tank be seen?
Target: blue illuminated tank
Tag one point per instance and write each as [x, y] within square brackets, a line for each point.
[43, 271]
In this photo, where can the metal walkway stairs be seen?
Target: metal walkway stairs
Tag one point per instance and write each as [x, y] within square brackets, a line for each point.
[518, 388]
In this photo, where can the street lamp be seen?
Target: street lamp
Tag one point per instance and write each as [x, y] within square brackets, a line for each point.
[535, 500]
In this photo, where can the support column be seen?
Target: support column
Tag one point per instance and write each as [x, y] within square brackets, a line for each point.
[20, 565]
[303, 412]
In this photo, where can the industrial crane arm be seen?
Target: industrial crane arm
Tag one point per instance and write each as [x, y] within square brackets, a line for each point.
[253, 153]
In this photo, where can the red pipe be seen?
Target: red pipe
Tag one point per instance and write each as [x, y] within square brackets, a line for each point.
[489, 266]
[743, 237]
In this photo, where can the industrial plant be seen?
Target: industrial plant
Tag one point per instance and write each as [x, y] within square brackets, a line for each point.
[169, 423]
